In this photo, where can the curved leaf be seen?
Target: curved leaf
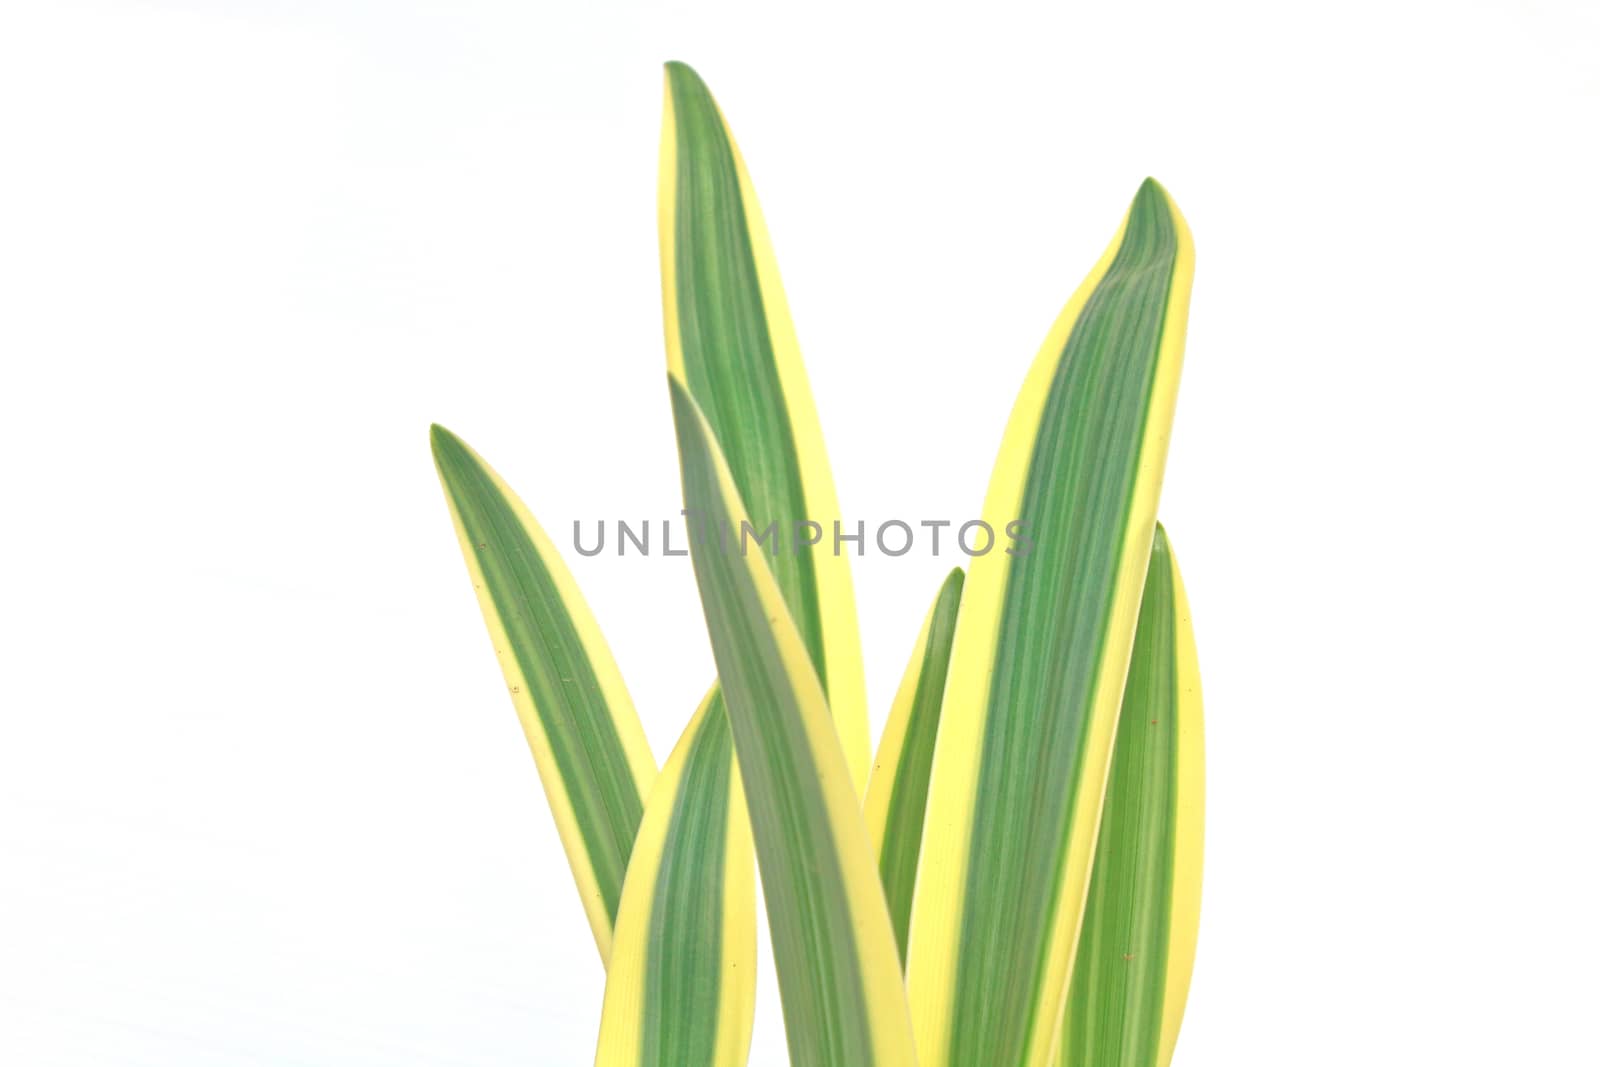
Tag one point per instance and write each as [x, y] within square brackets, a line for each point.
[586, 737]
[1040, 656]
[731, 342]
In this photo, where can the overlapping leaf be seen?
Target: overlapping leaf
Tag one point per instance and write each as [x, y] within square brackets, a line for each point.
[843, 1001]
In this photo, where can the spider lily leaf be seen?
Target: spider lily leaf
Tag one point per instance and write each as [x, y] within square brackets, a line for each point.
[1040, 656]
[730, 341]
[586, 737]
[897, 794]
[680, 986]
[843, 1000]
[1136, 950]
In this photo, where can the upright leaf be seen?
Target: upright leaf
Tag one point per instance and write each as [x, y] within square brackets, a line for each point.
[731, 342]
[586, 737]
[1136, 951]
[843, 1002]
[680, 986]
[897, 795]
[1040, 655]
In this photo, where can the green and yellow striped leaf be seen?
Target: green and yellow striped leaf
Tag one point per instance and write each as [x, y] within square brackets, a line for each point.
[680, 987]
[897, 794]
[586, 737]
[1136, 951]
[731, 342]
[1040, 656]
[843, 1001]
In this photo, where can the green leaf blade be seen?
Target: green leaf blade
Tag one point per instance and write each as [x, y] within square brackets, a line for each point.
[1040, 657]
[680, 985]
[1141, 921]
[844, 1005]
[586, 738]
[897, 795]
[731, 342]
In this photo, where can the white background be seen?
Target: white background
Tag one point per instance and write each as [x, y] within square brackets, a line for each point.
[262, 797]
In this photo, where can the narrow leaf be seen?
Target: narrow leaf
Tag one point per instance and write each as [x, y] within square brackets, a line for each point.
[897, 795]
[843, 1001]
[1040, 655]
[731, 342]
[586, 737]
[680, 985]
[1136, 951]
